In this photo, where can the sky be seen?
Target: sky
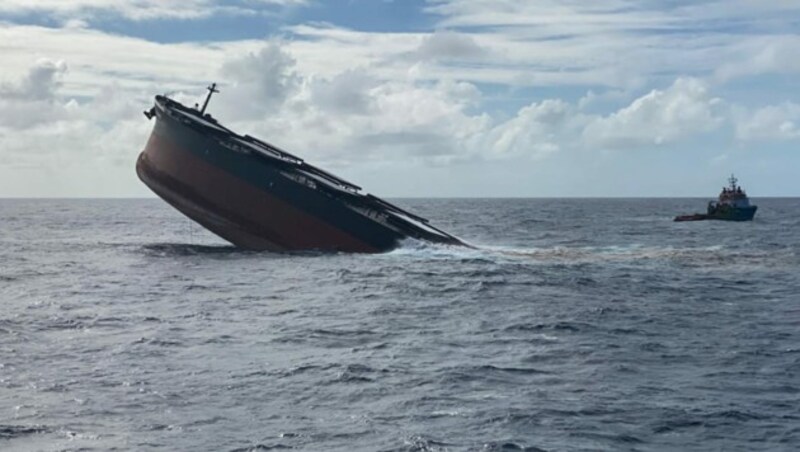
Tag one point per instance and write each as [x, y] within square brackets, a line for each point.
[415, 98]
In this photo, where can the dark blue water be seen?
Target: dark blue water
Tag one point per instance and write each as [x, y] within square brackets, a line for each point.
[577, 325]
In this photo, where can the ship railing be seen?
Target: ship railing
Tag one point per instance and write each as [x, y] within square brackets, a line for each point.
[326, 175]
[327, 182]
[272, 149]
[391, 207]
[191, 117]
[413, 226]
[304, 165]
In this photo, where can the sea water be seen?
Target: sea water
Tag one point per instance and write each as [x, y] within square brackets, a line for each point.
[575, 324]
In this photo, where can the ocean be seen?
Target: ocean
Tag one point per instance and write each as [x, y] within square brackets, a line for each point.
[575, 325]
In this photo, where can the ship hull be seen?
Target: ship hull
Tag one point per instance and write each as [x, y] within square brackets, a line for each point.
[248, 201]
[734, 214]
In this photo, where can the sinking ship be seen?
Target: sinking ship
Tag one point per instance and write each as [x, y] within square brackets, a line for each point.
[260, 197]
[732, 205]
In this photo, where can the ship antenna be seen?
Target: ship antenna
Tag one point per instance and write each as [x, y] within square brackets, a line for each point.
[211, 90]
[733, 181]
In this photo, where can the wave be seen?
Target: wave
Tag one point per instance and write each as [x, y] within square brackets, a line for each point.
[183, 249]
[588, 254]
[259, 447]
[510, 447]
[224, 250]
[16, 431]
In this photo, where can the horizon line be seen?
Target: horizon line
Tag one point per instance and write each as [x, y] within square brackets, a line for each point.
[27, 198]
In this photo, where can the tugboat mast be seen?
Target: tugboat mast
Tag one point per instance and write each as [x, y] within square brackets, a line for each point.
[211, 90]
[733, 181]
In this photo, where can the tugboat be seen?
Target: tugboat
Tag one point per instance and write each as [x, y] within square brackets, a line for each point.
[733, 205]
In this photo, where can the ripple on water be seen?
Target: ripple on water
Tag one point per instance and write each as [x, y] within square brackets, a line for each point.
[573, 325]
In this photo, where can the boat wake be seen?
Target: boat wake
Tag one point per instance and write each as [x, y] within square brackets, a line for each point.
[639, 254]
[416, 250]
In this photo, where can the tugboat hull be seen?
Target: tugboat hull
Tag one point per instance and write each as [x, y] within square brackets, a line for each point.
[741, 214]
[735, 214]
[695, 217]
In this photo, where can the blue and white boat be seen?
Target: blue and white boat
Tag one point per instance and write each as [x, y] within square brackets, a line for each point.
[732, 205]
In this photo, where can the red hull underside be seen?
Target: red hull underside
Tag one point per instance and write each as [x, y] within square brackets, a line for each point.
[235, 210]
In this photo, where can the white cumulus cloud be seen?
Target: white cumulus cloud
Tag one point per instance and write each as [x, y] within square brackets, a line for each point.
[31, 101]
[681, 111]
[770, 123]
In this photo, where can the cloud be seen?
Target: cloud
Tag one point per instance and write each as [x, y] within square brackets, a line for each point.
[602, 44]
[260, 82]
[401, 121]
[141, 9]
[424, 122]
[762, 55]
[47, 134]
[615, 15]
[348, 92]
[95, 58]
[347, 98]
[681, 111]
[537, 130]
[446, 45]
[40, 83]
[353, 117]
[770, 123]
[346, 120]
[623, 44]
[31, 101]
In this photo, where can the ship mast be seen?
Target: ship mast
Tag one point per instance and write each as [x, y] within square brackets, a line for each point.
[733, 181]
[211, 90]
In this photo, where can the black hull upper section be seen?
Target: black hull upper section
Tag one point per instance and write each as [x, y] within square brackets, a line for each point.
[738, 215]
[723, 214]
[259, 197]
